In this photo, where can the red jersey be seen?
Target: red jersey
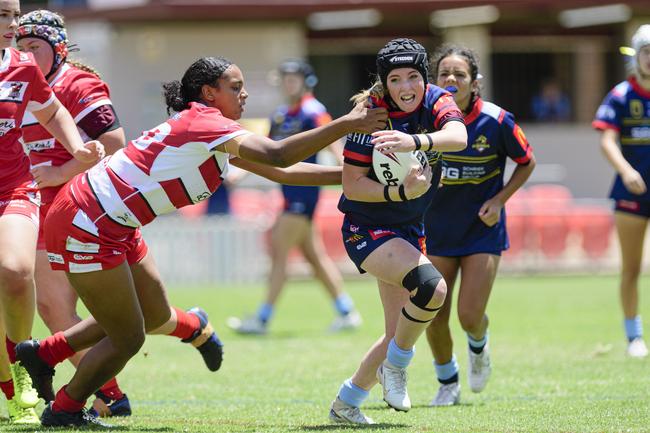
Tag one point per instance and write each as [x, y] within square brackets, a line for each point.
[22, 87]
[170, 166]
[81, 93]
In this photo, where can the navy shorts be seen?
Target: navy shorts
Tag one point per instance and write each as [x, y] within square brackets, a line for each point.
[639, 208]
[300, 200]
[361, 240]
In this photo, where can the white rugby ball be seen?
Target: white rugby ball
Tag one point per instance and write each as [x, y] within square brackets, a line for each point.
[392, 168]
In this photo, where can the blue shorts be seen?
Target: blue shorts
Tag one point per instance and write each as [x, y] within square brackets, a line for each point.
[360, 240]
[300, 200]
[638, 208]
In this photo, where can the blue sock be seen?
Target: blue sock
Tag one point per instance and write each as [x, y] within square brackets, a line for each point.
[400, 358]
[343, 304]
[265, 312]
[633, 328]
[447, 373]
[351, 394]
[477, 346]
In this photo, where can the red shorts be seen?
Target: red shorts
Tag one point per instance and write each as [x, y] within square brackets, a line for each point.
[75, 244]
[22, 200]
[46, 201]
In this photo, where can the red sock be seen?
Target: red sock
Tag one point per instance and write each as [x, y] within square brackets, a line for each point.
[11, 350]
[8, 389]
[63, 402]
[186, 324]
[55, 349]
[112, 389]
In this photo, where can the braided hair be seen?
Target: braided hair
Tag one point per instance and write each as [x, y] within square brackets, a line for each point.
[206, 70]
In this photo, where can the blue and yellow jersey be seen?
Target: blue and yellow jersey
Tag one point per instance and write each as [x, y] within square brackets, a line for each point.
[471, 177]
[437, 108]
[307, 114]
[626, 109]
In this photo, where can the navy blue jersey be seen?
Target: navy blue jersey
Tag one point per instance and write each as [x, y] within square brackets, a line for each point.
[626, 109]
[438, 107]
[471, 177]
[308, 114]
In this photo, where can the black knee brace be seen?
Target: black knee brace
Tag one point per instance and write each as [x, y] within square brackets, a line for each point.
[425, 279]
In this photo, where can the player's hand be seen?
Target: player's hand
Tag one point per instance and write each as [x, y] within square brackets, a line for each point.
[392, 141]
[46, 175]
[92, 152]
[490, 212]
[365, 119]
[417, 181]
[634, 182]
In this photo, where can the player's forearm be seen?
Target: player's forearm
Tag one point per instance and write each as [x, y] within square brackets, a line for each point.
[613, 154]
[519, 177]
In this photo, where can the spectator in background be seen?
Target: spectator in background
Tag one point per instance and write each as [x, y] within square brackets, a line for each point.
[294, 226]
[551, 104]
[623, 118]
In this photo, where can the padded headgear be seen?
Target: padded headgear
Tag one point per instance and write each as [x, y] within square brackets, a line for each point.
[300, 67]
[48, 26]
[402, 53]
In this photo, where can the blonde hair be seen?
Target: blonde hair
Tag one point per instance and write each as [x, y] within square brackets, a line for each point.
[376, 91]
[77, 64]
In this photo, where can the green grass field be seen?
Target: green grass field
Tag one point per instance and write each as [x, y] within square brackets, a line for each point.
[557, 353]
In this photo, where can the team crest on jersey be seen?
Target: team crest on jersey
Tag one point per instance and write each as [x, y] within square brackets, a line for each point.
[6, 125]
[12, 91]
[481, 144]
[40, 145]
[278, 118]
[23, 58]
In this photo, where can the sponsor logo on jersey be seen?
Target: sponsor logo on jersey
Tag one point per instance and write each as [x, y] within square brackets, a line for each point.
[481, 144]
[55, 258]
[82, 257]
[23, 58]
[362, 245]
[39, 145]
[117, 253]
[6, 125]
[359, 138]
[380, 233]
[86, 100]
[354, 228]
[13, 91]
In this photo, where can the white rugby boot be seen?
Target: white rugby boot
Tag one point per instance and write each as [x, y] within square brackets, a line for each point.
[479, 369]
[393, 380]
[250, 325]
[343, 413]
[637, 348]
[350, 321]
[448, 395]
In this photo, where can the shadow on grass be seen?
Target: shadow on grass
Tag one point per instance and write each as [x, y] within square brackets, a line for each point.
[30, 428]
[338, 427]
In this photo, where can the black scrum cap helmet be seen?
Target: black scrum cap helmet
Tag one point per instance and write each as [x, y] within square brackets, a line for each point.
[402, 53]
[295, 66]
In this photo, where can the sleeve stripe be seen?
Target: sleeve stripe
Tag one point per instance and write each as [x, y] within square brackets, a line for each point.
[526, 158]
[35, 106]
[356, 163]
[91, 108]
[359, 157]
[602, 125]
[502, 114]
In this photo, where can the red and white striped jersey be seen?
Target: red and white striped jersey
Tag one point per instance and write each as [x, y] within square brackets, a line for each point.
[22, 87]
[168, 167]
[80, 92]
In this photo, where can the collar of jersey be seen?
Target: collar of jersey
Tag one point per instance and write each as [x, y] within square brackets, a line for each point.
[476, 111]
[637, 87]
[295, 108]
[59, 74]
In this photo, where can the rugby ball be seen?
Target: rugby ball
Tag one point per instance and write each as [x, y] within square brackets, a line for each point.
[392, 168]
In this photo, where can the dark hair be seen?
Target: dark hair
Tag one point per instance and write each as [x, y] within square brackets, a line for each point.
[297, 66]
[468, 54]
[206, 70]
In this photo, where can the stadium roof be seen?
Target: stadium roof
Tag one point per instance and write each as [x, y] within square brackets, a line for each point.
[138, 10]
